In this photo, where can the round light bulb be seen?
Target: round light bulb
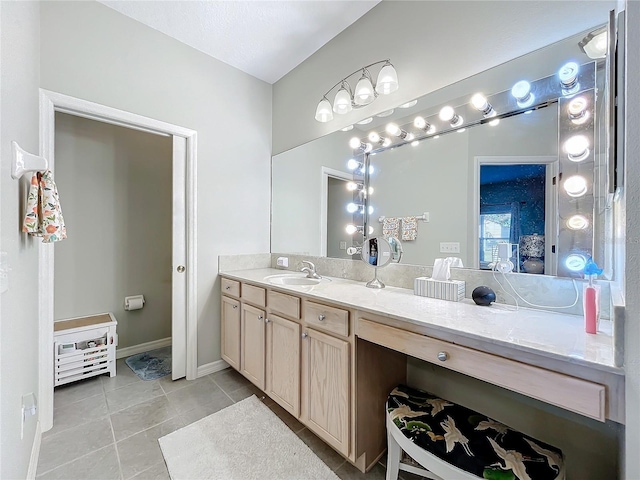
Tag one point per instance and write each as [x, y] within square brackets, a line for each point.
[352, 208]
[575, 262]
[577, 222]
[393, 129]
[352, 164]
[355, 143]
[575, 186]
[446, 113]
[577, 148]
[479, 102]
[577, 106]
[521, 91]
[374, 137]
[352, 186]
[569, 74]
[351, 229]
[419, 122]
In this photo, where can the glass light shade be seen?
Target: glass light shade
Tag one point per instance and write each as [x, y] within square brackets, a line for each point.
[595, 44]
[575, 186]
[342, 102]
[351, 229]
[323, 112]
[479, 102]
[387, 80]
[408, 104]
[363, 94]
[577, 222]
[577, 148]
[355, 143]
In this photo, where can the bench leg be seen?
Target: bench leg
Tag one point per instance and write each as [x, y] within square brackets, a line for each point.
[394, 453]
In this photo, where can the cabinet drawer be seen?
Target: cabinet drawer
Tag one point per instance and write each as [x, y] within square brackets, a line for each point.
[574, 394]
[329, 319]
[255, 295]
[284, 304]
[230, 287]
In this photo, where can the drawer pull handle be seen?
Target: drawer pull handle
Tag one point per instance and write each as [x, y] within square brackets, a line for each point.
[228, 287]
[443, 356]
[321, 317]
[305, 335]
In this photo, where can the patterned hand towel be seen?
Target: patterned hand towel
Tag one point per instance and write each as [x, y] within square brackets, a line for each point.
[390, 227]
[409, 228]
[44, 215]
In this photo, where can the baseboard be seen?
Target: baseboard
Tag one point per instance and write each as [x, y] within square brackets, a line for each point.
[212, 367]
[35, 453]
[143, 347]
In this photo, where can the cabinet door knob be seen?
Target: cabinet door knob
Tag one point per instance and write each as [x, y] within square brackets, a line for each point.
[235, 306]
[181, 268]
[305, 335]
[266, 320]
[321, 317]
[443, 356]
[259, 317]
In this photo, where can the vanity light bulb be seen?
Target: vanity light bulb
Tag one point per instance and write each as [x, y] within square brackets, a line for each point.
[479, 102]
[575, 186]
[577, 110]
[352, 186]
[410, 137]
[577, 148]
[352, 164]
[420, 123]
[371, 169]
[355, 143]
[386, 142]
[568, 75]
[374, 137]
[352, 207]
[521, 91]
[351, 229]
[577, 222]
[447, 113]
[393, 129]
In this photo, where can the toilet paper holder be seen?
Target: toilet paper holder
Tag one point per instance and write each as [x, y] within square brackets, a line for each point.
[135, 302]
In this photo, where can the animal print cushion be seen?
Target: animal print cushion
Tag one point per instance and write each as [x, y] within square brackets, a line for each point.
[469, 440]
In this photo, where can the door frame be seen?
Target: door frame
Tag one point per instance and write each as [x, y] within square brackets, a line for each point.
[327, 173]
[50, 103]
[550, 201]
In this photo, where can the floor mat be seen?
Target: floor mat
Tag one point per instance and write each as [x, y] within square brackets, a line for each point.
[151, 365]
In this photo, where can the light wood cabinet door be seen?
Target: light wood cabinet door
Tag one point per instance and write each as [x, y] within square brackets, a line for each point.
[252, 352]
[230, 331]
[326, 388]
[283, 363]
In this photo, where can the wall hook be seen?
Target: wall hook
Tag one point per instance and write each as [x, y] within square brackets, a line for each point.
[24, 161]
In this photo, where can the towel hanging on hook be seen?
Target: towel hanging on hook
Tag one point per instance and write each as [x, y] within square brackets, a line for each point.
[44, 215]
[24, 161]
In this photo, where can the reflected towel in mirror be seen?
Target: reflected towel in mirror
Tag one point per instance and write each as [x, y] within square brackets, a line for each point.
[409, 228]
[390, 227]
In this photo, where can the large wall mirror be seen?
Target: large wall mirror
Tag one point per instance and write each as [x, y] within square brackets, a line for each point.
[469, 189]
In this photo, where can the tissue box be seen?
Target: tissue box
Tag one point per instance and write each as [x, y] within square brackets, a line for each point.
[453, 290]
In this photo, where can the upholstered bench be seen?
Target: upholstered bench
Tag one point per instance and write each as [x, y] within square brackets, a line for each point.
[453, 442]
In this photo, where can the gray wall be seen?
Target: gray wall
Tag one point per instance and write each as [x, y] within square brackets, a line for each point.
[632, 163]
[432, 44]
[94, 53]
[115, 186]
[19, 78]
[337, 217]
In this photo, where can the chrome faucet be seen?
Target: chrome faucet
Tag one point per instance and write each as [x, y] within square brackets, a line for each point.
[310, 270]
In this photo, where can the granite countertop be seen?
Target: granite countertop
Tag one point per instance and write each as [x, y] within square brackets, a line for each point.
[554, 335]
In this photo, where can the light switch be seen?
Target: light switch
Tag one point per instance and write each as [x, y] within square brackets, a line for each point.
[449, 247]
[343, 245]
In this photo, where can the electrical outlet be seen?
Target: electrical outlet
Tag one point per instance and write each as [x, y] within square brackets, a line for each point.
[449, 247]
[282, 262]
[343, 245]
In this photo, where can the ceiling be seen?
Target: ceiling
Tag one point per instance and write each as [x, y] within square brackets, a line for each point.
[266, 39]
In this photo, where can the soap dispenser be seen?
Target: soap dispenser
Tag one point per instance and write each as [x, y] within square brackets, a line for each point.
[591, 297]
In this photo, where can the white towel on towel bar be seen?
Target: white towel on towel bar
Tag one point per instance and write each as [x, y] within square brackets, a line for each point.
[43, 217]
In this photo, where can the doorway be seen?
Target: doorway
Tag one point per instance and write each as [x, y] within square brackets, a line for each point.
[334, 217]
[182, 195]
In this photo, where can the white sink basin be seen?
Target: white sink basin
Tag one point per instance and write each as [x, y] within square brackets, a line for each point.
[293, 279]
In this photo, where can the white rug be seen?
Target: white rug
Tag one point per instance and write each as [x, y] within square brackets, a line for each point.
[242, 442]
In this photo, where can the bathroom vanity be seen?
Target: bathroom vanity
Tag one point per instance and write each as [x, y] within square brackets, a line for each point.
[330, 353]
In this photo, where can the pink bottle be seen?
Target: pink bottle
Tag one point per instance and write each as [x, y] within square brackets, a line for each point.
[591, 304]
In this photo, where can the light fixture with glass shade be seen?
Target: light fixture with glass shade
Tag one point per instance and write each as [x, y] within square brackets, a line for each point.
[596, 43]
[364, 93]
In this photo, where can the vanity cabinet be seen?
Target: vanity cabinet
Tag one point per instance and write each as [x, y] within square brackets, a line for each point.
[252, 345]
[283, 363]
[326, 388]
[230, 331]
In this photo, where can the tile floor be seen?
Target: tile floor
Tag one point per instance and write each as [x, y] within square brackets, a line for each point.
[108, 428]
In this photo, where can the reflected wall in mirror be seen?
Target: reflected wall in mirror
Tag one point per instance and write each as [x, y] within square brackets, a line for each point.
[439, 176]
